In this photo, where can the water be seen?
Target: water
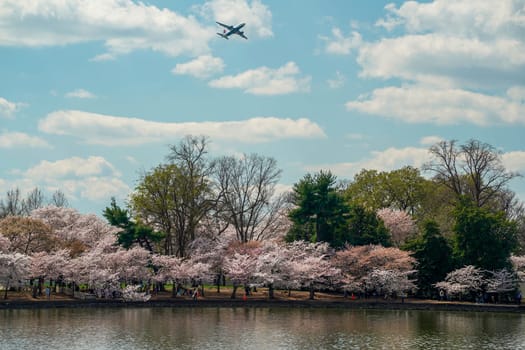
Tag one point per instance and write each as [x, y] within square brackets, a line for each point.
[257, 328]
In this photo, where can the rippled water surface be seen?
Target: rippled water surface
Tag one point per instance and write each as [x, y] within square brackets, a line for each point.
[257, 328]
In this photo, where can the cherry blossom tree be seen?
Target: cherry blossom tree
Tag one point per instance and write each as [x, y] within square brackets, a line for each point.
[133, 293]
[270, 265]
[4, 244]
[181, 271]
[240, 268]
[167, 267]
[501, 281]
[14, 268]
[390, 282]
[462, 282]
[130, 265]
[399, 223]
[212, 250]
[51, 266]
[359, 263]
[309, 266]
[90, 269]
[196, 273]
[314, 272]
[518, 262]
[77, 232]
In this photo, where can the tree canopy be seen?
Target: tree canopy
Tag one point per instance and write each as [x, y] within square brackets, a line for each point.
[483, 238]
[319, 213]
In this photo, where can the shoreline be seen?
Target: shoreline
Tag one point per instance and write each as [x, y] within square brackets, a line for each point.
[265, 303]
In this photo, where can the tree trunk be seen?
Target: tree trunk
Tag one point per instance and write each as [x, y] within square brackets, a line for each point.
[174, 290]
[234, 291]
[6, 289]
[270, 291]
[312, 292]
[40, 286]
[219, 283]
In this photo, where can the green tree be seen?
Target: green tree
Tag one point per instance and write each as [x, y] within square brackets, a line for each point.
[175, 197]
[368, 190]
[320, 211]
[483, 238]
[402, 189]
[132, 232]
[364, 227]
[434, 256]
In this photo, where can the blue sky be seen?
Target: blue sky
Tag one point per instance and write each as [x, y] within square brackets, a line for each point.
[93, 92]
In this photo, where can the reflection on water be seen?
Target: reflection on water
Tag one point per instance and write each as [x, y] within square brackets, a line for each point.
[252, 328]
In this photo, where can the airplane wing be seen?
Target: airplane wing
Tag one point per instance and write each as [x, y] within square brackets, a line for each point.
[225, 25]
[223, 36]
[242, 34]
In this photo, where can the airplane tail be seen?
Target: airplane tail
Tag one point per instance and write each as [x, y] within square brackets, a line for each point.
[223, 36]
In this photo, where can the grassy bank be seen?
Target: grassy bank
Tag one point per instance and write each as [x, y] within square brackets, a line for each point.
[299, 299]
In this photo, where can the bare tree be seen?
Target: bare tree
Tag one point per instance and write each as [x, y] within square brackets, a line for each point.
[13, 205]
[474, 169]
[247, 185]
[193, 198]
[33, 200]
[59, 199]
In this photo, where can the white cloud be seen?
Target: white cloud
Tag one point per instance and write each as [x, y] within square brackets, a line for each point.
[110, 130]
[517, 94]
[266, 81]
[337, 82]
[72, 167]
[282, 189]
[123, 26]
[456, 61]
[462, 42]
[8, 109]
[430, 140]
[445, 60]
[101, 188]
[80, 93]
[202, 67]
[514, 161]
[424, 104]
[459, 17]
[255, 14]
[339, 44]
[92, 178]
[386, 160]
[19, 140]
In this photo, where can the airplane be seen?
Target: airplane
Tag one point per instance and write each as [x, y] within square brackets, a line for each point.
[231, 30]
